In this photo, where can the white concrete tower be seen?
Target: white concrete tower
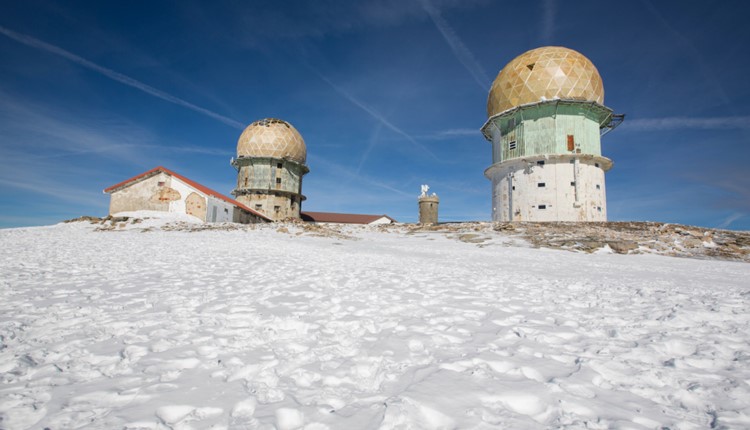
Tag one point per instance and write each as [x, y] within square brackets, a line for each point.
[270, 164]
[546, 119]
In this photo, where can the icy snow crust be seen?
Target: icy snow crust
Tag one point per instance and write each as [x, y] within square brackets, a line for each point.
[172, 325]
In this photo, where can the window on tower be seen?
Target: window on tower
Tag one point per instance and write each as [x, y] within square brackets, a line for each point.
[512, 145]
[542, 206]
[278, 166]
[540, 163]
[541, 185]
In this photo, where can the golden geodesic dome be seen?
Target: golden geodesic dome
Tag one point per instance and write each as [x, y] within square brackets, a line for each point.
[550, 72]
[272, 137]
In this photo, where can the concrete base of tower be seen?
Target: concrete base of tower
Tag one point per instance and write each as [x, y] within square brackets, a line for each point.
[275, 205]
[567, 187]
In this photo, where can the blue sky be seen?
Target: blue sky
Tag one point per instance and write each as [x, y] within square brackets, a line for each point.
[387, 94]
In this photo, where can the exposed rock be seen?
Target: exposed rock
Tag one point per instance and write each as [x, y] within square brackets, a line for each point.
[91, 219]
[622, 246]
[471, 238]
[692, 242]
[628, 237]
[504, 226]
[621, 237]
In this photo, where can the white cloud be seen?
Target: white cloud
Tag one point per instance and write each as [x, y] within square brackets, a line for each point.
[676, 123]
[57, 191]
[454, 133]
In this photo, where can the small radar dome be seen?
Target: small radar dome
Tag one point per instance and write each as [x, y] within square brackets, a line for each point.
[274, 138]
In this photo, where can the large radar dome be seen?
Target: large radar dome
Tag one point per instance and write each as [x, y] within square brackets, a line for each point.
[274, 138]
[550, 72]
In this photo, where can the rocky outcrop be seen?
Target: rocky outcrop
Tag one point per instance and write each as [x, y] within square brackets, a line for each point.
[619, 237]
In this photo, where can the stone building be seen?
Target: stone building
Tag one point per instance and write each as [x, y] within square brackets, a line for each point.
[163, 190]
[546, 119]
[270, 164]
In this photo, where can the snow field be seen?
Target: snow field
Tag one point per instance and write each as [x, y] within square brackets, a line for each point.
[264, 329]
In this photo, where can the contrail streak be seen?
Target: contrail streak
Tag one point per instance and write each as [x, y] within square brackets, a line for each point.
[730, 219]
[373, 113]
[340, 169]
[709, 73]
[549, 8]
[460, 50]
[116, 76]
[373, 141]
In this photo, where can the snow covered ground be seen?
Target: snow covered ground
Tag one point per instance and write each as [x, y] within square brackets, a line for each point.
[155, 327]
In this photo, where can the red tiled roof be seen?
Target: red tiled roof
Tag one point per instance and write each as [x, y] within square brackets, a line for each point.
[341, 218]
[190, 182]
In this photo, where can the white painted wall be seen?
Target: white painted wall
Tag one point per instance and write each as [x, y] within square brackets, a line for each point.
[140, 196]
[381, 220]
[184, 189]
[224, 210]
[518, 196]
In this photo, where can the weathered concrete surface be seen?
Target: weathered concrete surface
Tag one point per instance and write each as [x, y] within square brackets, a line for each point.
[271, 186]
[195, 205]
[146, 194]
[428, 209]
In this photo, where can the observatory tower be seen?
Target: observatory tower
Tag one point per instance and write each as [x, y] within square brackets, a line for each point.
[270, 164]
[546, 119]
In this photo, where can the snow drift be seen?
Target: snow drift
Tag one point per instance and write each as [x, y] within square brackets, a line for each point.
[161, 325]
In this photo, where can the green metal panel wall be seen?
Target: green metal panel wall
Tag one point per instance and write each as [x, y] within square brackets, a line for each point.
[544, 129]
